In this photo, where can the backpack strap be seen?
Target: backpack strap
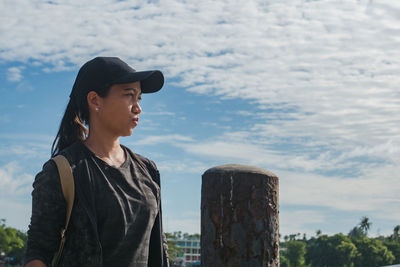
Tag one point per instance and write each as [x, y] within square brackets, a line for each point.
[68, 189]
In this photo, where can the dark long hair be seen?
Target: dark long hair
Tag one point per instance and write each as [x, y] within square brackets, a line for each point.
[73, 124]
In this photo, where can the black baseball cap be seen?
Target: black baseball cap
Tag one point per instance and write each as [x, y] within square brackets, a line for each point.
[101, 72]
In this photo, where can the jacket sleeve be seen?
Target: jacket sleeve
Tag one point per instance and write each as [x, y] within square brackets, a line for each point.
[48, 215]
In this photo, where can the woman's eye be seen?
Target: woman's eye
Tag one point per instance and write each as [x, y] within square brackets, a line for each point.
[133, 95]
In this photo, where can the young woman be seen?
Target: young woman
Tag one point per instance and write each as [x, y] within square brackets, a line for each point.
[116, 219]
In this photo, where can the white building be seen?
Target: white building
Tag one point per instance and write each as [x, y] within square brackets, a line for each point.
[190, 250]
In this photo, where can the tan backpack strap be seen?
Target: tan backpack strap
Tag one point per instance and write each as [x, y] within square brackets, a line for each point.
[68, 189]
[67, 184]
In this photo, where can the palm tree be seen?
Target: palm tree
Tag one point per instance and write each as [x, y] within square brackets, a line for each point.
[318, 232]
[365, 224]
[396, 233]
[356, 232]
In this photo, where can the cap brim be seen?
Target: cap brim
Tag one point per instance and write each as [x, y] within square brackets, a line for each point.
[151, 81]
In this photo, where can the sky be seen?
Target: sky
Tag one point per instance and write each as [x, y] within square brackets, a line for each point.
[306, 89]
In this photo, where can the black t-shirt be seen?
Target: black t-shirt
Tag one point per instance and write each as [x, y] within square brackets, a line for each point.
[127, 203]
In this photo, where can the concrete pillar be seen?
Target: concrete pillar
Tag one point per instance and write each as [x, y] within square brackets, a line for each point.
[239, 217]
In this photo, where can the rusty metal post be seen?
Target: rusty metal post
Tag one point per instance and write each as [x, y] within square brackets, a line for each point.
[239, 217]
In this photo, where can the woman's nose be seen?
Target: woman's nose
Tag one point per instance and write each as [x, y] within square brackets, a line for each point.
[136, 108]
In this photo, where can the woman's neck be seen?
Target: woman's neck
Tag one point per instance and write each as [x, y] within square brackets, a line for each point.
[106, 148]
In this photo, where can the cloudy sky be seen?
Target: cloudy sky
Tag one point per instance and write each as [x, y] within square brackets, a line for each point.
[306, 89]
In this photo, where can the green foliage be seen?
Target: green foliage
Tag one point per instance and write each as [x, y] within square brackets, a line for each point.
[394, 247]
[296, 250]
[372, 253]
[361, 230]
[331, 251]
[284, 261]
[346, 252]
[356, 232]
[365, 224]
[179, 235]
[354, 250]
[173, 250]
[12, 242]
[396, 234]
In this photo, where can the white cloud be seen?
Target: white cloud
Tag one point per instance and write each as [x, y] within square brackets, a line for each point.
[182, 166]
[16, 212]
[371, 193]
[26, 146]
[185, 225]
[226, 149]
[294, 222]
[323, 76]
[333, 64]
[12, 182]
[373, 189]
[165, 139]
[14, 74]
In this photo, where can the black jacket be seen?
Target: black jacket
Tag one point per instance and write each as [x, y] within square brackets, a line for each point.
[82, 247]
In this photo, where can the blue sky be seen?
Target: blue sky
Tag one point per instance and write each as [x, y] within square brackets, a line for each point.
[306, 89]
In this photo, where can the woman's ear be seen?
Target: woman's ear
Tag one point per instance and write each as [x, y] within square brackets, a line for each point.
[94, 101]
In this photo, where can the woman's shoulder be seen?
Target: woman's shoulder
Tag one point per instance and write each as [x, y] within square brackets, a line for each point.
[47, 180]
[50, 168]
[76, 153]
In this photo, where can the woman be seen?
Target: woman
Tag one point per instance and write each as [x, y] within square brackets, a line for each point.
[116, 217]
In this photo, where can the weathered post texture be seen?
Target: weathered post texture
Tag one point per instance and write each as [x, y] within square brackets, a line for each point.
[239, 217]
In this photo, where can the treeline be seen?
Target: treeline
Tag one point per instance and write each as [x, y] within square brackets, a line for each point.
[12, 243]
[352, 250]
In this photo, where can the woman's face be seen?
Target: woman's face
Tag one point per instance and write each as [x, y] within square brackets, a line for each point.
[119, 110]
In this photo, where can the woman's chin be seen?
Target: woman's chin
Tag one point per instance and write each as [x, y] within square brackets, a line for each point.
[128, 133]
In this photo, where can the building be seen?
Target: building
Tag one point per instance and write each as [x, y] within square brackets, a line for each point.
[190, 250]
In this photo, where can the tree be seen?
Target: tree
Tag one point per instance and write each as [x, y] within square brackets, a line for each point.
[372, 253]
[177, 235]
[356, 232]
[331, 251]
[296, 250]
[362, 229]
[394, 247]
[346, 253]
[365, 224]
[304, 237]
[396, 234]
[12, 242]
[173, 249]
[284, 262]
